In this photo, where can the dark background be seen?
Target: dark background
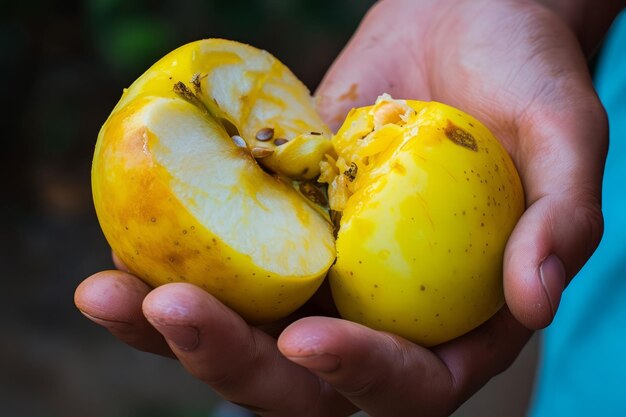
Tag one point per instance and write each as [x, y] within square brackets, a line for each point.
[63, 65]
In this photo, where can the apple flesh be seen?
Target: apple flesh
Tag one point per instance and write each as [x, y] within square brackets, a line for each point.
[193, 179]
[428, 198]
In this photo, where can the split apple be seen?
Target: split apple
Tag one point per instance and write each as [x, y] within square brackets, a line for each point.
[214, 168]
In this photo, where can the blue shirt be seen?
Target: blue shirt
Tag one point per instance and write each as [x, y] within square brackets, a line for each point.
[583, 366]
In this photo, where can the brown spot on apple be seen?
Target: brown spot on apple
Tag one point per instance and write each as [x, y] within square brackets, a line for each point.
[461, 137]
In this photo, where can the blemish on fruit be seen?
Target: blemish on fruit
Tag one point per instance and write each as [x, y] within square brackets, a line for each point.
[153, 219]
[422, 288]
[461, 137]
[352, 171]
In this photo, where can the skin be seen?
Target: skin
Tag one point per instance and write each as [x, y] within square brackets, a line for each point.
[519, 68]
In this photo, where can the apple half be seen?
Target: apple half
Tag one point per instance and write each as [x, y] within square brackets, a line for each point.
[428, 198]
[203, 174]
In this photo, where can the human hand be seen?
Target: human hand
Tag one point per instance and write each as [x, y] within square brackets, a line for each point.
[511, 64]
[519, 69]
[320, 366]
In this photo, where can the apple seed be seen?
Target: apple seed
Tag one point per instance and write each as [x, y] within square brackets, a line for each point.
[260, 153]
[265, 134]
[239, 141]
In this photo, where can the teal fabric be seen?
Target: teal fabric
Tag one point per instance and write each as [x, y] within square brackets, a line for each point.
[583, 366]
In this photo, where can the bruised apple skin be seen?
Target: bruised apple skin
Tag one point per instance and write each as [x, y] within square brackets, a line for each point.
[203, 173]
[427, 199]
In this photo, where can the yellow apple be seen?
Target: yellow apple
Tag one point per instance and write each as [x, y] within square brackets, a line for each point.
[193, 179]
[214, 168]
[428, 198]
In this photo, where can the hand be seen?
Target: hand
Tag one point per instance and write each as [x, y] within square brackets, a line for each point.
[321, 366]
[519, 69]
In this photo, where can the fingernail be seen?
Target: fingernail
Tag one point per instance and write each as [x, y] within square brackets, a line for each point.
[552, 274]
[324, 362]
[109, 324]
[185, 338]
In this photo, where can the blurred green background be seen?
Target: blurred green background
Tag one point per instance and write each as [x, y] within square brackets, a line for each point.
[63, 65]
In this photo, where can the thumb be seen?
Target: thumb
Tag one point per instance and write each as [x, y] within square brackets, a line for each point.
[561, 170]
[365, 69]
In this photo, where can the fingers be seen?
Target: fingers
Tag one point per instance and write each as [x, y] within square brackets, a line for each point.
[561, 165]
[240, 362]
[386, 375]
[113, 300]
[475, 358]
